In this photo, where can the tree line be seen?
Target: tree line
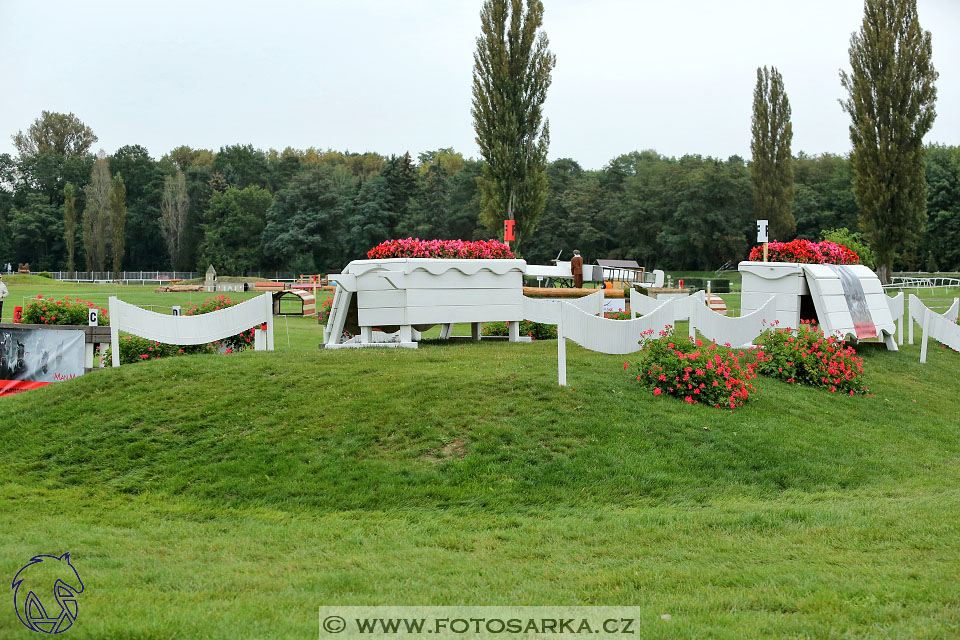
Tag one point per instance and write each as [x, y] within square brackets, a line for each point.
[246, 211]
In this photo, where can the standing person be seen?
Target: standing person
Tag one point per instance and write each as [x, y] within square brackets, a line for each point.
[3, 294]
[576, 268]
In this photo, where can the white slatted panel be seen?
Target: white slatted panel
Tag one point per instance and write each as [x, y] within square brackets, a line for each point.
[548, 311]
[188, 330]
[737, 332]
[612, 336]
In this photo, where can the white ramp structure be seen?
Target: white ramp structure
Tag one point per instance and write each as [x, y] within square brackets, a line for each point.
[846, 299]
[189, 330]
[941, 327]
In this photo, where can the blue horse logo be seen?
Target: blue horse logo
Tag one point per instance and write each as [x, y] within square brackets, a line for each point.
[33, 586]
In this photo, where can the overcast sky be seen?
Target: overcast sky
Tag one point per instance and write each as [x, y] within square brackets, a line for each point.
[394, 75]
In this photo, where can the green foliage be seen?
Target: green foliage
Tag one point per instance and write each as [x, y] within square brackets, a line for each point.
[70, 225]
[535, 330]
[772, 166]
[824, 196]
[60, 133]
[511, 75]
[96, 215]
[135, 349]
[232, 227]
[45, 274]
[143, 179]
[808, 357]
[853, 241]
[36, 232]
[891, 106]
[118, 220]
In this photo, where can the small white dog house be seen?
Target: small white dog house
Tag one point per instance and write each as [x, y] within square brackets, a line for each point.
[843, 299]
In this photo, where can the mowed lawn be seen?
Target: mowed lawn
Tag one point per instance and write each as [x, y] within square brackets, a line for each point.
[229, 496]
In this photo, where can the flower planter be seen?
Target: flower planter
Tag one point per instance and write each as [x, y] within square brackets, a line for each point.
[408, 294]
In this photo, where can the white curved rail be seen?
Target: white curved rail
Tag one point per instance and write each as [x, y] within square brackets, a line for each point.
[941, 328]
[548, 311]
[187, 330]
[734, 331]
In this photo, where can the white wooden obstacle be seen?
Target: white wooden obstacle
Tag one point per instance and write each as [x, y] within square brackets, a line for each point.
[681, 309]
[896, 313]
[738, 332]
[408, 294]
[941, 327]
[848, 299]
[605, 335]
[189, 330]
[547, 311]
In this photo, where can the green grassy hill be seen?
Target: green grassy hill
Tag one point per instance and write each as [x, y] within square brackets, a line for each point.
[222, 497]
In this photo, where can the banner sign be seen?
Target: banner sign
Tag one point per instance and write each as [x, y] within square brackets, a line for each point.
[32, 358]
[863, 323]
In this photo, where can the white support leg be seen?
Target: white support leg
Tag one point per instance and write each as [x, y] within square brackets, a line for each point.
[890, 341]
[406, 333]
[366, 335]
[924, 339]
[475, 331]
[561, 353]
[446, 331]
[514, 331]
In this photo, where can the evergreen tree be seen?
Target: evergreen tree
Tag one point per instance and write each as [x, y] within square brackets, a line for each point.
[511, 74]
[118, 221]
[772, 166]
[402, 181]
[891, 106]
[70, 225]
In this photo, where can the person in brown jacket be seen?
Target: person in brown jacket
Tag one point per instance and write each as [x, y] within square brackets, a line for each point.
[576, 268]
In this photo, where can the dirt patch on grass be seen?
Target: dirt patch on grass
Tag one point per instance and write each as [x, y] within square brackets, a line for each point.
[454, 450]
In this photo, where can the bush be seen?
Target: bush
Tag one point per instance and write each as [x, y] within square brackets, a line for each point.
[809, 357]
[237, 342]
[696, 372]
[536, 330]
[137, 349]
[854, 241]
[45, 274]
[806, 252]
[69, 311]
[462, 249]
[616, 315]
[323, 313]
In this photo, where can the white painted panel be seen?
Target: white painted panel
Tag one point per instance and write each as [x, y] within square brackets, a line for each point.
[610, 336]
[735, 331]
[483, 313]
[457, 280]
[547, 311]
[367, 299]
[431, 297]
[382, 316]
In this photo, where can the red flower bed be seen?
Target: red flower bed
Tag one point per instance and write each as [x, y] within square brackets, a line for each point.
[806, 252]
[462, 249]
[696, 372]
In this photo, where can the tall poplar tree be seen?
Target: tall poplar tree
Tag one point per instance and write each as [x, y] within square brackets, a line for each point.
[118, 221]
[96, 215]
[891, 106]
[511, 74]
[174, 208]
[772, 166]
[70, 225]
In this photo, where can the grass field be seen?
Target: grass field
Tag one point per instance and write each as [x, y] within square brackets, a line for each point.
[229, 496]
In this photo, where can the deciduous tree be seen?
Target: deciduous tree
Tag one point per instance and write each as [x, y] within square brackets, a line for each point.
[173, 210]
[70, 225]
[511, 75]
[62, 133]
[118, 221]
[96, 215]
[891, 106]
[772, 167]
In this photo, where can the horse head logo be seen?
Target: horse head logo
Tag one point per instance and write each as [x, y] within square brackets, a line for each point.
[45, 593]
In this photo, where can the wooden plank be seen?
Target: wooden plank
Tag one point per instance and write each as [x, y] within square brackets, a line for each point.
[466, 297]
[381, 298]
[485, 313]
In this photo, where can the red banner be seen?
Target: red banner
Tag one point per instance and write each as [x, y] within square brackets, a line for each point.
[9, 387]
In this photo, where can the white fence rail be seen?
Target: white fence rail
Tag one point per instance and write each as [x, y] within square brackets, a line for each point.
[921, 282]
[942, 328]
[548, 311]
[187, 330]
[733, 331]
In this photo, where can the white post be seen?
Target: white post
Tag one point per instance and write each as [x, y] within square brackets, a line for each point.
[114, 334]
[910, 318]
[561, 351]
[268, 305]
[475, 331]
[923, 345]
[514, 331]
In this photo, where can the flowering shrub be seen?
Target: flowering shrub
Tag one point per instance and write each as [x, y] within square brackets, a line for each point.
[536, 330]
[42, 310]
[417, 248]
[616, 315]
[324, 312]
[806, 252]
[698, 373]
[809, 357]
[238, 342]
[137, 349]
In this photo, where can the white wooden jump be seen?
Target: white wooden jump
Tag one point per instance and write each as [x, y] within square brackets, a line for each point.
[941, 327]
[188, 330]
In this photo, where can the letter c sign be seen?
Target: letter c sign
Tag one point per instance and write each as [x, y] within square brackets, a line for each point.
[94, 317]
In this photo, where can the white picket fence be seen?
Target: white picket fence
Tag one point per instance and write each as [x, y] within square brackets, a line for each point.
[941, 327]
[187, 330]
[548, 311]
[738, 332]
